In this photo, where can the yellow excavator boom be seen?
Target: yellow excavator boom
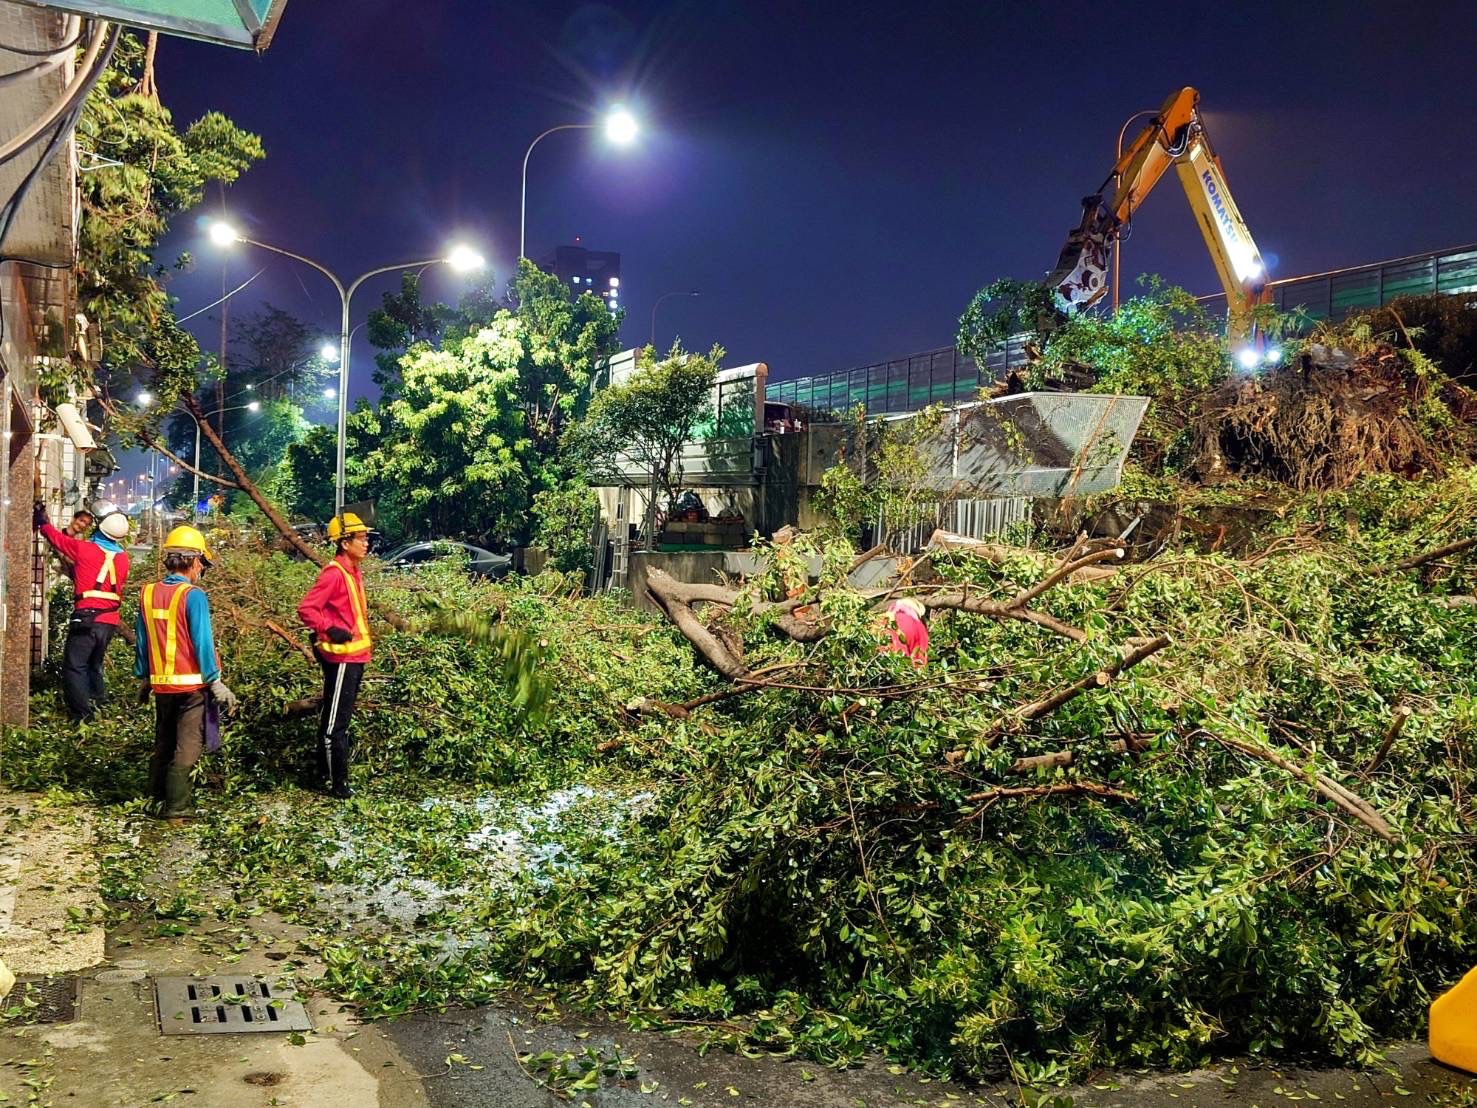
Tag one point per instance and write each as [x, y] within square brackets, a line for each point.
[1175, 136]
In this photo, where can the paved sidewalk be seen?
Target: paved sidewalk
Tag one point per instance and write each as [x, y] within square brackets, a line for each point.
[50, 913]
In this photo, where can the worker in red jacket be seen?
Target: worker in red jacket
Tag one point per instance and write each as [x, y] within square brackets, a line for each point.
[336, 612]
[99, 571]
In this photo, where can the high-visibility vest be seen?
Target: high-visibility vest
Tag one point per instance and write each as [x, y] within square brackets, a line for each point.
[173, 666]
[358, 603]
[106, 575]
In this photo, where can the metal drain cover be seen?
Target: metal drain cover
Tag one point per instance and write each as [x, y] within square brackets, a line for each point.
[41, 1000]
[227, 1005]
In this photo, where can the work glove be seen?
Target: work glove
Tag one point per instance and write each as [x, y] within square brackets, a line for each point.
[224, 697]
[338, 636]
[39, 516]
[143, 692]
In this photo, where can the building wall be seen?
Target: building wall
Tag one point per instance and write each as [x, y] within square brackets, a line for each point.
[17, 480]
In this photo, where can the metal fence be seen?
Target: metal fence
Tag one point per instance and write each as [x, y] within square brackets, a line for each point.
[977, 519]
[944, 376]
[1339, 293]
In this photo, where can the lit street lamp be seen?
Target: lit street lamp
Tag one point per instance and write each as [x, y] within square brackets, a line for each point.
[658, 303]
[461, 258]
[620, 129]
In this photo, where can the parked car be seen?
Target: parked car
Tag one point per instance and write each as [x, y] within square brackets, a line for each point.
[480, 562]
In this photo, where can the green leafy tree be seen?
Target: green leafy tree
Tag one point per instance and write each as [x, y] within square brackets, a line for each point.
[148, 172]
[643, 422]
[468, 430]
[565, 517]
[456, 461]
[310, 466]
[404, 320]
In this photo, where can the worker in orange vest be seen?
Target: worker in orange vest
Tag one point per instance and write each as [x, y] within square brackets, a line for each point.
[335, 610]
[177, 662]
[99, 568]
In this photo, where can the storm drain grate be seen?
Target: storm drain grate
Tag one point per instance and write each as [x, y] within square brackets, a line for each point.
[41, 1000]
[227, 1005]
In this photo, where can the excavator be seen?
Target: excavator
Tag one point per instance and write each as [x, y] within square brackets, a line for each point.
[1175, 136]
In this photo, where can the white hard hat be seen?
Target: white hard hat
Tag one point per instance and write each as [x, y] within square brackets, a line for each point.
[114, 525]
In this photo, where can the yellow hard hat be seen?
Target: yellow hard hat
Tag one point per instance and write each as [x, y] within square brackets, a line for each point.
[343, 526]
[185, 539]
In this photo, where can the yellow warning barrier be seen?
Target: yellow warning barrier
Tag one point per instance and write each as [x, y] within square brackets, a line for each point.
[1453, 1034]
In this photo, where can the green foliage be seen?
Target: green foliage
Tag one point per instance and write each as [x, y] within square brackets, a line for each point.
[149, 172]
[644, 421]
[795, 867]
[468, 434]
[1004, 309]
[565, 518]
[1442, 328]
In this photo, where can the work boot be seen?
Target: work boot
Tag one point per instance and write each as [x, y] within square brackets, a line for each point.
[177, 793]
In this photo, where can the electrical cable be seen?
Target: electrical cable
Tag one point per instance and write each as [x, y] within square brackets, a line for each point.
[71, 27]
[223, 299]
[87, 75]
[63, 130]
[31, 71]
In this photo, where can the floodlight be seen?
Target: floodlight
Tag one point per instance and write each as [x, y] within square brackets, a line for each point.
[464, 259]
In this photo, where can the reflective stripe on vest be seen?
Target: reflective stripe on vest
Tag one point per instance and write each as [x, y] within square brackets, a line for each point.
[108, 573]
[163, 656]
[361, 640]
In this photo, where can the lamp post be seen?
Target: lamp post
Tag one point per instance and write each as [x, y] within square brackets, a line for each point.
[1118, 239]
[461, 258]
[620, 128]
[658, 304]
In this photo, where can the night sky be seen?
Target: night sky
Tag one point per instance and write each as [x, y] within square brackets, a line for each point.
[836, 180]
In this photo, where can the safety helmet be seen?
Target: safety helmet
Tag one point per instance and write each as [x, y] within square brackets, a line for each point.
[910, 604]
[185, 539]
[341, 527]
[114, 525]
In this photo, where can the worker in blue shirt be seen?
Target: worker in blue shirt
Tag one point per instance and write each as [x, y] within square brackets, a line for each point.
[176, 661]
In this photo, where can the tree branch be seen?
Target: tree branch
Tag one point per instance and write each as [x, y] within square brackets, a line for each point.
[1329, 789]
[1431, 555]
[154, 444]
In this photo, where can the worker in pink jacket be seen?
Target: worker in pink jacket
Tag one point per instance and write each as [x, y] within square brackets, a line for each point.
[906, 631]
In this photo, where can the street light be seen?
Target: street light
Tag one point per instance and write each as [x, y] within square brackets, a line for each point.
[658, 304]
[1118, 238]
[328, 352]
[461, 258]
[620, 128]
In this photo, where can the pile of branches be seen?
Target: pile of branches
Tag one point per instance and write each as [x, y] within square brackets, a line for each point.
[1125, 815]
[1330, 417]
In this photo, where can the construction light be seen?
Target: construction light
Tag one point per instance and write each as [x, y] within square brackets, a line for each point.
[1273, 355]
[1248, 358]
[145, 398]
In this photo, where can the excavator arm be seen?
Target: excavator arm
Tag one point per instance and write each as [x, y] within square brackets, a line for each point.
[1175, 136]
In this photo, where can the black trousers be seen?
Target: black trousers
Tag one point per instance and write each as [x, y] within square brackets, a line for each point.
[340, 692]
[82, 666]
[179, 735]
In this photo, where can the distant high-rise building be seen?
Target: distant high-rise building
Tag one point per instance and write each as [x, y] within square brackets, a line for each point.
[596, 271]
